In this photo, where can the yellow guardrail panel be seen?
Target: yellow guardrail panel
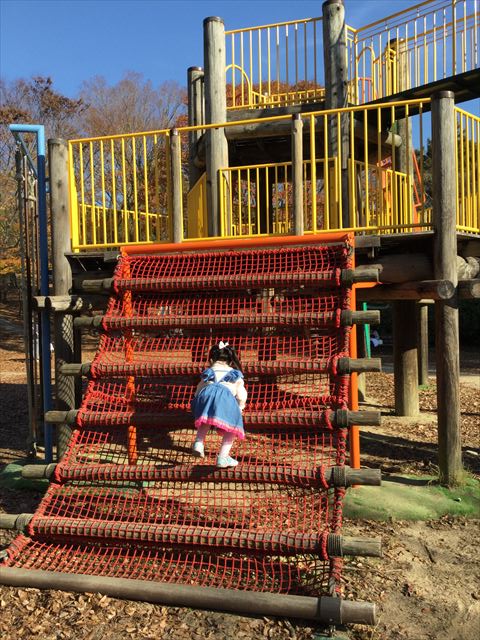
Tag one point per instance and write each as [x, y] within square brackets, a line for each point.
[282, 63]
[121, 191]
[422, 44]
[197, 225]
[468, 171]
[276, 62]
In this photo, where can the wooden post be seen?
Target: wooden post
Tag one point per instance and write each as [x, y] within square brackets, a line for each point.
[422, 341]
[446, 311]
[405, 334]
[297, 174]
[405, 363]
[177, 187]
[336, 90]
[196, 117]
[64, 343]
[216, 146]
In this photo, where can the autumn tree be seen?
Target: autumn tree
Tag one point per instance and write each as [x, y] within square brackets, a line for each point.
[128, 173]
[28, 101]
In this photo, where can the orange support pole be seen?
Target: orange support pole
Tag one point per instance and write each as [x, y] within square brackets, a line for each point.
[132, 450]
[241, 243]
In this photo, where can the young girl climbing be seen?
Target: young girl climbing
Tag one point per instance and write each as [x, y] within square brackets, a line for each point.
[219, 401]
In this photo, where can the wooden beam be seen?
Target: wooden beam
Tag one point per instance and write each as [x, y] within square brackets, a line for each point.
[425, 289]
[405, 358]
[469, 289]
[326, 609]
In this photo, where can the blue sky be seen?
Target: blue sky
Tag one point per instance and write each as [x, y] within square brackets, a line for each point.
[74, 40]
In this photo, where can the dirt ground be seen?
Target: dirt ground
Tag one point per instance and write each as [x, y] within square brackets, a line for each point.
[427, 585]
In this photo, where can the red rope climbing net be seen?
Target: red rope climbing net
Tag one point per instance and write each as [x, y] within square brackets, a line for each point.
[128, 499]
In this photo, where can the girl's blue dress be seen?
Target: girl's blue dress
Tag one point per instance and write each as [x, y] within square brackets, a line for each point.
[216, 405]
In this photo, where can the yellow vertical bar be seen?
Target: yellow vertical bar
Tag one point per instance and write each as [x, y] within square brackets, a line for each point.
[394, 169]
[257, 198]
[461, 159]
[232, 49]
[230, 192]
[276, 199]
[222, 203]
[135, 192]
[422, 185]
[425, 51]
[260, 81]
[286, 55]
[242, 64]
[124, 187]
[82, 194]
[168, 167]
[287, 212]
[267, 199]
[315, 53]
[467, 159]
[277, 58]
[454, 36]
[457, 185]
[352, 196]
[366, 202]
[158, 231]
[251, 59]
[249, 209]
[434, 46]
[114, 192]
[74, 221]
[476, 172]
[296, 52]
[477, 208]
[104, 208]
[339, 171]
[326, 174]
[464, 38]
[445, 44]
[92, 183]
[381, 202]
[145, 185]
[269, 63]
[305, 51]
[240, 212]
[408, 206]
[313, 173]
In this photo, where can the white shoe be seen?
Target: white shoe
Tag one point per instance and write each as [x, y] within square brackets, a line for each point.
[226, 461]
[198, 449]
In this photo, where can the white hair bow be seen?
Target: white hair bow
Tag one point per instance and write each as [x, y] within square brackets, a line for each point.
[222, 344]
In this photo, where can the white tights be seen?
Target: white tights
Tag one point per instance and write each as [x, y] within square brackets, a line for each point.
[227, 442]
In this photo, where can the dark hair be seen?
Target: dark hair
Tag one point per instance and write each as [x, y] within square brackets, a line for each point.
[225, 354]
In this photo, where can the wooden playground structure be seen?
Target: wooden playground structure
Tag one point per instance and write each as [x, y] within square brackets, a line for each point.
[308, 143]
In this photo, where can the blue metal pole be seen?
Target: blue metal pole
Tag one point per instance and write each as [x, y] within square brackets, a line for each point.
[39, 131]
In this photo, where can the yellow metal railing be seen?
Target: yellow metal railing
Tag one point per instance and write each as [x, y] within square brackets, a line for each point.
[282, 64]
[121, 191]
[468, 171]
[426, 42]
[275, 64]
